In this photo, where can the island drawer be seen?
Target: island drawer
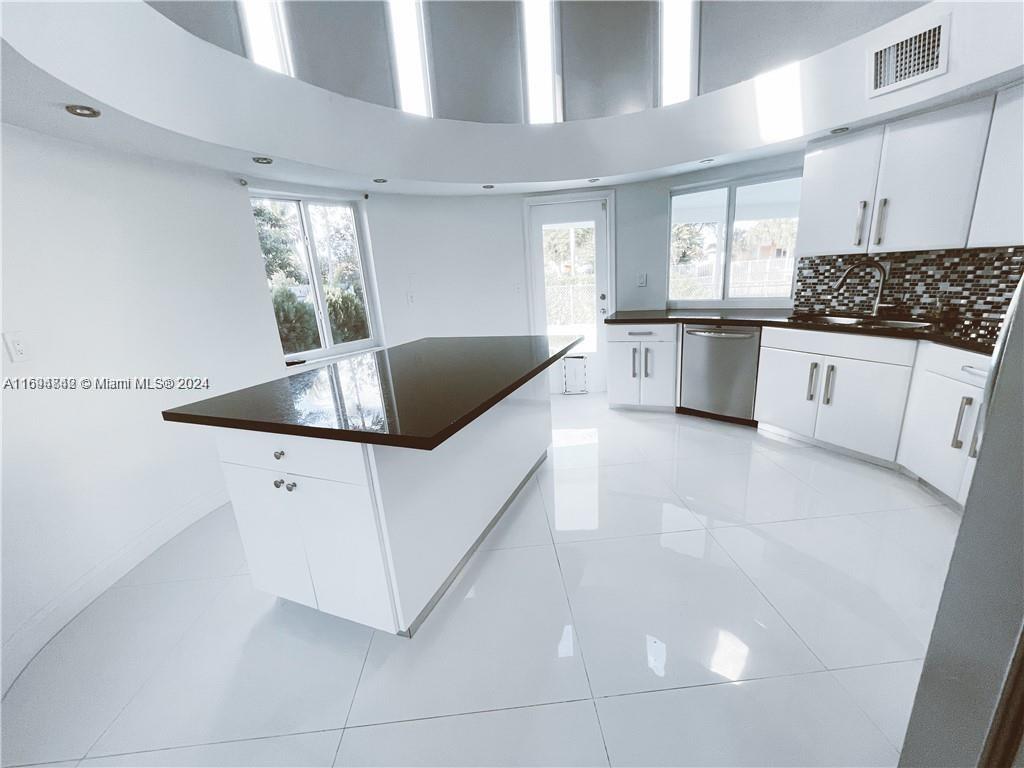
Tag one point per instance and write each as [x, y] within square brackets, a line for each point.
[327, 459]
[653, 332]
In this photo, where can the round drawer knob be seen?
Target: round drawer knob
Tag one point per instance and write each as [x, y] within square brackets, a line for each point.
[278, 483]
[278, 455]
[290, 487]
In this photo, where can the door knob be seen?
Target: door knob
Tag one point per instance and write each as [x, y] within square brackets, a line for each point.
[602, 296]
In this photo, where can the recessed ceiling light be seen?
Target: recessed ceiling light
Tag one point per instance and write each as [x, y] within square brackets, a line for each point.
[380, 181]
[592, 181]
[707, 160]
[836, 131]
[80, 110]
[488, 186]
[263, 160]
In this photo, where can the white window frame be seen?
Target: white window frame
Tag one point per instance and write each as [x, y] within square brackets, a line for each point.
[373, 320]
[724, 302]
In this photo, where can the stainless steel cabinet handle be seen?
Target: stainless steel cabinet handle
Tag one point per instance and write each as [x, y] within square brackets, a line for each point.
[290, 487]
[974, 371]
[956, 442]
[830, 379]
[639, 333]
[647, 362]
[880, 219]
[720, 334]
[810, 380]
[279, 455]
[634, 362]
[278, 483]
[858, 236]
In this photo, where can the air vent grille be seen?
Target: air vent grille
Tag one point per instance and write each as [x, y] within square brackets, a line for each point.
[909, 60]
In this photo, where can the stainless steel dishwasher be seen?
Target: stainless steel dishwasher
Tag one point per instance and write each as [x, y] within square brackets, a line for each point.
[719, 370]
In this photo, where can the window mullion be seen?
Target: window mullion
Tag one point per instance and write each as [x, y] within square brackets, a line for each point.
[313, 259]
[730, 215]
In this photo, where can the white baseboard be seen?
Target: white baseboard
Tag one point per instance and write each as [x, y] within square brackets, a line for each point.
[37, 631]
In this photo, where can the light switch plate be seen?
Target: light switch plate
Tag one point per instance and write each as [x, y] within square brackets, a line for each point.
[641, 279]
[17, 347]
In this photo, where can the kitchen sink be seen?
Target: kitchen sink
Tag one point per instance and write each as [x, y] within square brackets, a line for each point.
[862, 322]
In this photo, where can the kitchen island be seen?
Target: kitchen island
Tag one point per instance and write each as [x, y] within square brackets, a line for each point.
[362, 486]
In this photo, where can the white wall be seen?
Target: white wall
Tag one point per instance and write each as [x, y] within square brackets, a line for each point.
[743, 38]
[642, 227]
[114, 266]
[461, 259]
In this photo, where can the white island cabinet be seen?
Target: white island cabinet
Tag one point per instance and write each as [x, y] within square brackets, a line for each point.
[361, 487]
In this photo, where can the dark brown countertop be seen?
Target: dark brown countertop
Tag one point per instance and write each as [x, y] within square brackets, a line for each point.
[783, 319]
[413, 395]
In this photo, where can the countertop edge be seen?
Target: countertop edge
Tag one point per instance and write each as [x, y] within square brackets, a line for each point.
[428, 443]
[782, 322]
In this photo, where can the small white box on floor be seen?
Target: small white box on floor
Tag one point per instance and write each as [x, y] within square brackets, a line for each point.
[574, 375]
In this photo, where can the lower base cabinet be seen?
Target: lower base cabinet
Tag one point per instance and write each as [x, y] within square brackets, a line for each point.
[854, 403]
[938, 432]
[642, 373]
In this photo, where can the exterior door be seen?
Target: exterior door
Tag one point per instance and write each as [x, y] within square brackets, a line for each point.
[569, 296]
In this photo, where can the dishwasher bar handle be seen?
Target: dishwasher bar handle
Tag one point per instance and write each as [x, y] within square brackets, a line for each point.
[721, 334]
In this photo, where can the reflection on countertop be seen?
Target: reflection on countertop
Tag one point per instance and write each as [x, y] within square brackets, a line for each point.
[413, 395]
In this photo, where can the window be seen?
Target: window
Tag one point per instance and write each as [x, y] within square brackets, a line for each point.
[315, 274]
[266, 34]
[539, 54]
[734, 244]
[410, 55]
[677, 50]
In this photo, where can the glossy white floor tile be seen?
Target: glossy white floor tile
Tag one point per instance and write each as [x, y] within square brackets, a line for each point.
[811, 559]
[252, 666]
[886, 694]
[75, 686]
[603, 502]
[555, 734]
[665, 611]
[854, 595]
[208, 548]
[523, 524]
[849, 484]
[805, 720]
[739, 489]
[501, 637]
[301, 750]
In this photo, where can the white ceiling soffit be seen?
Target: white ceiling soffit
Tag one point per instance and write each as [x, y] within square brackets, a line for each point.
[169, 94]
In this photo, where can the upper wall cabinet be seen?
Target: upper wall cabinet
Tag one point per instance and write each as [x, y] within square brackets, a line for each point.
[999, 211]
[907, 187]
[837, 194]
[928, 178]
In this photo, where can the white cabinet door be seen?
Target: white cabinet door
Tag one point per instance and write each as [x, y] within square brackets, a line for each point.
[999, 210]
[788, 384]
[343, 548]
[270, 532]
[837, 193]
[928, 178]
[658, 366]
[623, 373]
[862, 405]
[936, 439]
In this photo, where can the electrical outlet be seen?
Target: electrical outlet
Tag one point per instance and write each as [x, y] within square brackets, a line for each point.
[17, 348]
[641, 279]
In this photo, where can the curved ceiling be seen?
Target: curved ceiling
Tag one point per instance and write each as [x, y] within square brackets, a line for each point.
[178, 97]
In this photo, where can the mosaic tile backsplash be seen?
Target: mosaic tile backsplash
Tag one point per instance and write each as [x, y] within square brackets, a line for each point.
[967, 291]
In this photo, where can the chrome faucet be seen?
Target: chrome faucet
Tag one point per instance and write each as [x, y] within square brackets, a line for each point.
[872, 264]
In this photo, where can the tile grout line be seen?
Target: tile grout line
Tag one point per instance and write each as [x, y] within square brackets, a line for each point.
[352, 701]
[572, 617]
[159, 665]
